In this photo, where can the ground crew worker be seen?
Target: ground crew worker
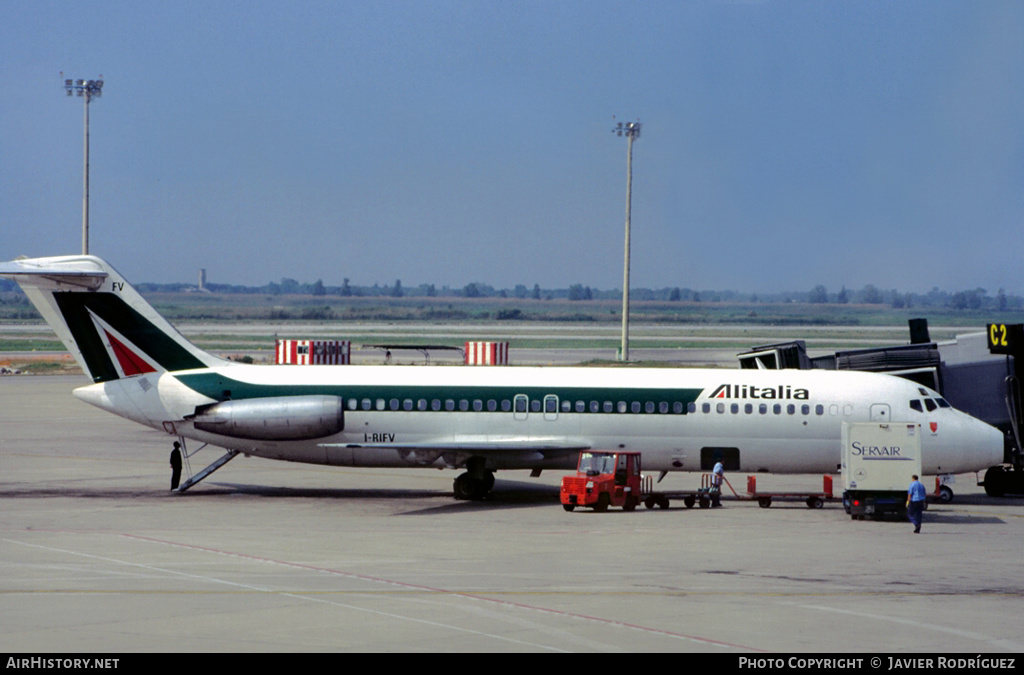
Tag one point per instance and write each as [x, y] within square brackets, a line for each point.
[175, 465]
[717, 476]
[916, 495]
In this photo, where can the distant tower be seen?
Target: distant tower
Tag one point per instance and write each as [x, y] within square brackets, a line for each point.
[202, 279]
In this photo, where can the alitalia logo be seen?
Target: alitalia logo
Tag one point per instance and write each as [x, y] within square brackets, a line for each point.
[750, 391]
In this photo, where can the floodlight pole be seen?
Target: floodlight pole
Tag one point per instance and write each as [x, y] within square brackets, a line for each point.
[86, 89]
[631, 130]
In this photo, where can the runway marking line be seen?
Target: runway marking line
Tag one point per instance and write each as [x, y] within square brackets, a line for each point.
[439, 591]
[410, 588]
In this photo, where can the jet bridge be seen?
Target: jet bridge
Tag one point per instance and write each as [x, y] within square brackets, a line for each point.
[976, 373]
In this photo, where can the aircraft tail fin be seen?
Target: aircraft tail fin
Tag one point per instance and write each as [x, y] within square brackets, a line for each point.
[106, 325]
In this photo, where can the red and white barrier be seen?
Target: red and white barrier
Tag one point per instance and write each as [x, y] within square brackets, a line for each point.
[486, 353]
[314, 352]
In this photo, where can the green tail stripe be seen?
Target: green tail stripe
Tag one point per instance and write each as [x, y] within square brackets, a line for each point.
[159, 346]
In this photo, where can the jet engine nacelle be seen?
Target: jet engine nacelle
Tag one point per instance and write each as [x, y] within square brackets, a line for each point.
[279, 418]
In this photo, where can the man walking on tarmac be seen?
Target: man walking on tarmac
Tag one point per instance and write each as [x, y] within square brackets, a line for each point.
[916, 494]
[717, 476]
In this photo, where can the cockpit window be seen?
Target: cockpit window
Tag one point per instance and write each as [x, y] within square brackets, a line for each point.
[916, 405]
[943, 403]
[930, 404]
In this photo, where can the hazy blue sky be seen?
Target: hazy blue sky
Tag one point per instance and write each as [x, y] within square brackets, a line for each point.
[784, 144]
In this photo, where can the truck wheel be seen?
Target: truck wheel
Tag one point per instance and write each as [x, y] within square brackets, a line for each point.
[603, 501]
[663, 502]
[630, 504]
[995, 484]
[689, 500]
[764, 502]
[649, 502]
[569, 507]
[815, 502]
[945, 494]
[705, 503]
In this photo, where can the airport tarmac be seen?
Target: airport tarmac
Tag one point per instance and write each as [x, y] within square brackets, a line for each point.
[98, 556]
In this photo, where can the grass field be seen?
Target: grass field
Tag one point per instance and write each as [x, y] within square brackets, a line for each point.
[249, 324]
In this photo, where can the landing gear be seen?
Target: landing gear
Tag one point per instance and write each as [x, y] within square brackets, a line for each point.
[1001, 481]
[474, 485]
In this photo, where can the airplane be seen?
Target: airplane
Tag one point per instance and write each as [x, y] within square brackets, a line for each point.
[480, 420]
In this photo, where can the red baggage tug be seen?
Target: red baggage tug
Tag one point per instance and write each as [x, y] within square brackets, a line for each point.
[603, 479]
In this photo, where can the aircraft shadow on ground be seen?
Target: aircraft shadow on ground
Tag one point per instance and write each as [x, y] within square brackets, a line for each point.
[505, 495]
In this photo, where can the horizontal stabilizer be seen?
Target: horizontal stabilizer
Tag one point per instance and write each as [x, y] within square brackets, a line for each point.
[78, 272]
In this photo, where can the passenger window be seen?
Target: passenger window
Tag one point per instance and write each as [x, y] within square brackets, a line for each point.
[805, 409]
[581, 406]
[566, 406]
[435, 404]
[595, 406]
[735, 408]
[380, 404]
[790, 409]
[449, 405]
[506, 405]
[763, 408]
[520, 404]
[353, 404]
[777, 409]
[634, 406]
[819, 410]
[609, 407]
[492, 405]
[622, 406]
[535, 405]
[407, 404]
[748, 408]
[367, 404]
[720, 408]
[478, 405]
[706, 407]
[463, 405]
[421, 404]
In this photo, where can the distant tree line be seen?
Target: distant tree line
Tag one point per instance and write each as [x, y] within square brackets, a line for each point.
[970, 299]
[976, 298]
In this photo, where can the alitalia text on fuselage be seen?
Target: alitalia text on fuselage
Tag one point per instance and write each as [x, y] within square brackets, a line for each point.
[781, 392]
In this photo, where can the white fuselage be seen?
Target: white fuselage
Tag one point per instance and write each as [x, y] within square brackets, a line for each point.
[785, 421]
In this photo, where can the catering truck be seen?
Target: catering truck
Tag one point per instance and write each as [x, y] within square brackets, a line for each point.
[878, 463]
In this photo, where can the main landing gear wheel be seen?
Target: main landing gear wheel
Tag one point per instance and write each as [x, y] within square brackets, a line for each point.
[473, 487]
[945, 494]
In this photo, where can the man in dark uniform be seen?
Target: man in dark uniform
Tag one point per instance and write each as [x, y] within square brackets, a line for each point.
[175, 465]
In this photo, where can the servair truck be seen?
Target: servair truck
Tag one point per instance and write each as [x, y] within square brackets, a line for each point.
[879, 462]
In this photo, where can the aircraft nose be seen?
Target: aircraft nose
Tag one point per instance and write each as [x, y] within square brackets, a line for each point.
[983, 442]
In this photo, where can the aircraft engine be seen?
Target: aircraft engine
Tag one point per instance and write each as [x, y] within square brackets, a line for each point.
[279, 418]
